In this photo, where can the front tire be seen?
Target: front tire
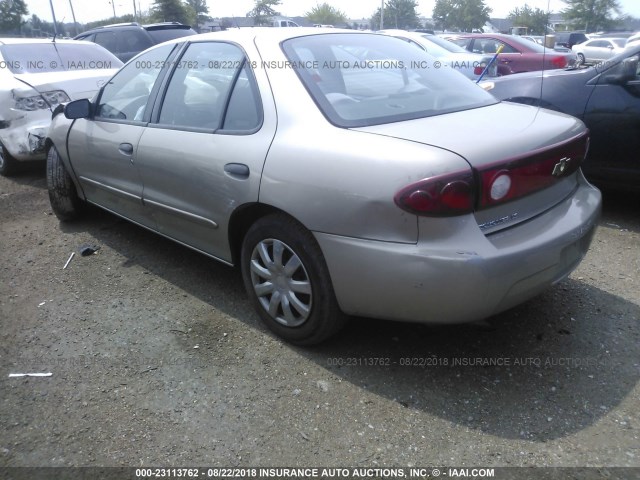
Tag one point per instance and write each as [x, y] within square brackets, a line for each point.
[63, 196]
[581, 59]
[8, 164]
[288, 281]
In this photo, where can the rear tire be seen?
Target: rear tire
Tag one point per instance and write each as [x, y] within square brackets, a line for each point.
[8, 164]
[63, 196]
[288, 282]
[581, 59]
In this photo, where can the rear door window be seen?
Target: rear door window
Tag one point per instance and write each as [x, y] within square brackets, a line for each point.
[126, 97]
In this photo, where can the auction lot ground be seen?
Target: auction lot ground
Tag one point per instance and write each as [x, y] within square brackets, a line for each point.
[159, 360]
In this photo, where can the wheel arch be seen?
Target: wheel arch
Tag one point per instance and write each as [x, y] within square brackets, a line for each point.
[48, 144]
[242, 219]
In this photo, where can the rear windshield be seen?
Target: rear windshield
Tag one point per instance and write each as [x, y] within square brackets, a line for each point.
[368, 79]
[56, 57]
[164, 34]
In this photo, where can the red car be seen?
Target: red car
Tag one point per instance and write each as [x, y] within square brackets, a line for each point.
[518, 54]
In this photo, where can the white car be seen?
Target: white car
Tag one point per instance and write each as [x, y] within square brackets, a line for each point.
[471, 65]
[633, 40]
[36, 75]
[598, 49]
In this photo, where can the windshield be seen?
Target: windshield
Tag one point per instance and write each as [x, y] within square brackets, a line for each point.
[360, 79]
[56, 57]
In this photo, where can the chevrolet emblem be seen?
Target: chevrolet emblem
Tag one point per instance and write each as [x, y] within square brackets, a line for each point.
[561, 167]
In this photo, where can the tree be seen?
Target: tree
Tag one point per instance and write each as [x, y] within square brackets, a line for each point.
[464, 15]
[325, 14]
[591, 15]
[263, 11]
[536, 20]
[397, 14]
[11, 13]
[200, 11]
[172, 11]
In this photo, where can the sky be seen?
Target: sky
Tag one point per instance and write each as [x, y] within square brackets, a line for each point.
[91, 10]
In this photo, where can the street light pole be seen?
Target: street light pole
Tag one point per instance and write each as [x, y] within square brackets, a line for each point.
[382, 16]
[135, 14]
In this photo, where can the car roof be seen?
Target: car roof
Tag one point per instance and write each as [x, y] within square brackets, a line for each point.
[149, 26]
[256, 33]
[18, 41]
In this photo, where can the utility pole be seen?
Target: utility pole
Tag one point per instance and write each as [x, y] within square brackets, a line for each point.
[382, 16]
[135, 15]
[113, 4]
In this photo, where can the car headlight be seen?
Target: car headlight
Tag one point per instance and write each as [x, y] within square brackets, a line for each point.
[43, 101]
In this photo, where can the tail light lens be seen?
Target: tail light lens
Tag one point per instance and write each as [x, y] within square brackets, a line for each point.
[440, 196]
[463, 192]
[559, 62]
[522, 176]
[40, 102]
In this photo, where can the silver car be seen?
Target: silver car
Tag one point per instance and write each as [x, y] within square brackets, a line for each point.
[599, 49]
[364, 187]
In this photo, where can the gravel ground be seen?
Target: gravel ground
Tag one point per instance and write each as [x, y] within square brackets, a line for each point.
[159, 360]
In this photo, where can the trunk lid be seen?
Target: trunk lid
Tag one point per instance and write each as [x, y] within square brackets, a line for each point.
[535, 147]
[76, 84]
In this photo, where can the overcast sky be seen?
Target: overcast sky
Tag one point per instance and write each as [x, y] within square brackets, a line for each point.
[90, 10]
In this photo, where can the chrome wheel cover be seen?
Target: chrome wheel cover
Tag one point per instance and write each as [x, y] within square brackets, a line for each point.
[281, 282]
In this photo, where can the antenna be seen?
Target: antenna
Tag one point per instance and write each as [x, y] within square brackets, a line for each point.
[55, 24]
[544, 45]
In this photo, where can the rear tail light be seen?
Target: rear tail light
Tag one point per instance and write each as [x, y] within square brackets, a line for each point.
[559, 62]
[463, 192]
[478, 69]
[42, 101]
[440, 196]
[522, 176]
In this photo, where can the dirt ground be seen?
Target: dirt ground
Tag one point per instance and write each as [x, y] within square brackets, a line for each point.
[158, 359]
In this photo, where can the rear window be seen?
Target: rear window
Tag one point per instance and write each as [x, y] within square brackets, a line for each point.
[360, 79]
[164, 34]
[56, 57]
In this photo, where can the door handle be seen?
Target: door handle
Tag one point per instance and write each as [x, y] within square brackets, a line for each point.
[237, 170]
[126, 149]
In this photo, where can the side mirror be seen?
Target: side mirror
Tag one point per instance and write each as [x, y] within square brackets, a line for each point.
[625, 72]
[78, 109]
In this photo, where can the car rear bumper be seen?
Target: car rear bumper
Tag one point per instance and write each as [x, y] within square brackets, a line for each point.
[24, 136]
[456, 274]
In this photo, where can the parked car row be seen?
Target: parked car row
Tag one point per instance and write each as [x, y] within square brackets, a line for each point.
[517, 54]
[471, 65]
